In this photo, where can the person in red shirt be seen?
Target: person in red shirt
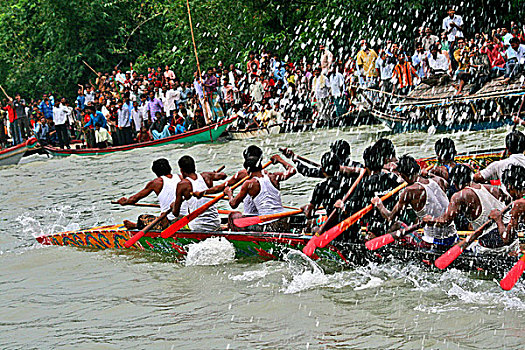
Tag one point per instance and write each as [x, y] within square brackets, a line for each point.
[14, 128]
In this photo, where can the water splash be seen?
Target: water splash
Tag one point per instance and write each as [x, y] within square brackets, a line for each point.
[212, 251]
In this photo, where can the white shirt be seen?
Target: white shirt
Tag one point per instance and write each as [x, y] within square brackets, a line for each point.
[321, 90]
[171, 96]
[60, 114]
[386, 69]
[124, 117]
[440, 63]
[455, 32]
[90, 97]
[337, 84]
[495, 170]
[519, 54]
[103, 135]
[137, 118]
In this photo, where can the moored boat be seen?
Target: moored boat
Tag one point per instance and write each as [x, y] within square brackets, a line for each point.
[208, 133]
[12, 155]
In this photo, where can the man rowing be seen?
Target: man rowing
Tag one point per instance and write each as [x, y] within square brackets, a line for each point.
[446, 153]
[164, 187]
[329, 191]
[475, 201]
[514, 180]
[263, 190]
[192, 182]
[387, 151]
[425, 197]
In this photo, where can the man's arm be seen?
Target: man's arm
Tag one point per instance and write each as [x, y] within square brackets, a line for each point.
[235, 201]
[288, 173]
[219, 188]
[150, 187]
[182, 194]
[404, 199]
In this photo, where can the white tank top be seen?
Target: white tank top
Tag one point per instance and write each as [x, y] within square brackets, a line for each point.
[209, 220]
[436, 204]
[488, 203]
[249, 206]
[268, 201]
[167, 194]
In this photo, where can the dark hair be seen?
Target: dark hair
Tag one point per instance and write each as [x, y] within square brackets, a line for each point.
[252, 163]
[161, 167]
[330, 163]
[408, 166]
[386, 148]
[515, 142]
[461, 175]
[187, 164]
[514, 177]
[445, 149]
[514, 40]
[372, 158]
[341, 149]
[252, 151]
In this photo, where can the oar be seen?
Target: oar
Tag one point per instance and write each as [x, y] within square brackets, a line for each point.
[331, 234]
[333, 214]
[302, 159]
[254, 220]
[383, 240]
[513, 276]
[225, 199]
[153, 205]
[452, 254]
[146, 229]
[173, 228]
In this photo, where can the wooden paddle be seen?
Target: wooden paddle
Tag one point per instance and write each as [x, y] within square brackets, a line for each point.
[452, 254]
[254, 220]
[327, 237]
[333, 214]
[145, 230]
[153, 205]
[383, 240]
[302, 159]
[173, 228]
[225, 199]
[513, 276]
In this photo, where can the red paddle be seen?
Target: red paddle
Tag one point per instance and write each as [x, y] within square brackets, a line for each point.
[327, 237]
[173, 228]
[452, 254]
[383, 240]
[254, 220]
[146, 229]
[513, 276]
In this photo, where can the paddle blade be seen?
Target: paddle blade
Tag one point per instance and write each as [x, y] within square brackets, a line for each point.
[513, 275]
[379, 242]
[245, 222]
[309, 249]
[134, 239]
[446, 259]
[170, 231]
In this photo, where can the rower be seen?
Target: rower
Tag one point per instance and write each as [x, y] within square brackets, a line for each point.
[474, 200]
[164, 187]
[191, 182]
[340, 148]
[264, 190]
[425, 197]
[514, 181]
[377, 183]
[387, 151]
[446, 153]
[515, 146]
[333, 188]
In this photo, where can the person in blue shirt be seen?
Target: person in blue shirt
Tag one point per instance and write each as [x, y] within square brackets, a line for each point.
[46, 107]
[95, 118]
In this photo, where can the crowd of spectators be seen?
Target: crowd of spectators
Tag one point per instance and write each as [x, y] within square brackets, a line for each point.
[125, 106]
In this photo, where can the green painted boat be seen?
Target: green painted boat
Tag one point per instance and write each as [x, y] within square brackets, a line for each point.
[206, 134]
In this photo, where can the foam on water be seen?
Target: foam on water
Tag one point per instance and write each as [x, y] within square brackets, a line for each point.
[212, 251]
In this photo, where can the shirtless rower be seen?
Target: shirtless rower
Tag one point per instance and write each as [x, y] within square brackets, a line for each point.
[333, 188]
[514, 181]
[264, 190]
[446, 153]
[425, 197]
[164, 187]
[191, 182]
[475, 201]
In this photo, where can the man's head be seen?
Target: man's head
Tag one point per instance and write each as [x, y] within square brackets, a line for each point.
[434, 50]
[252, 151]
[187, 165]
[428, 32]
[252, 163]
[515, 142]
[408, 168]
[330, 163]
[151, 95]
[451, 12]
[373, 160]
[514, 180]
[461, 43]
[461, 176]
[385, 149]
[445, 149]
[514, 43]
[341, 149]
[161, 167]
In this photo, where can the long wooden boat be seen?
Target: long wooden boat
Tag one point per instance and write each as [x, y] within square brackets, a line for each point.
[436, 107]
[12, 155]
[253, 133]
[208, 133]
[269, 246]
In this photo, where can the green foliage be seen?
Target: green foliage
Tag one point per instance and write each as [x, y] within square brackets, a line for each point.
[43, 42]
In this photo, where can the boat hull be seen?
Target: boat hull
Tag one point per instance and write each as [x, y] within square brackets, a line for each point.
[207, 134]
[12, 155]
[248, 134]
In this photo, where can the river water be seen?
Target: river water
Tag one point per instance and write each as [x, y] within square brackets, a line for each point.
[63, 298]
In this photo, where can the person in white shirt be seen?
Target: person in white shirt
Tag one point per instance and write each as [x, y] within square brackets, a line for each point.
[90, 96]
[321, 92]
[385, 68]
[169, 104]
[337, 85]
[136, 117]
[60, 114]
[124, 122]
[453, 27]
[438, 65]
[515, 146]
[515, 55]
[102, 137]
